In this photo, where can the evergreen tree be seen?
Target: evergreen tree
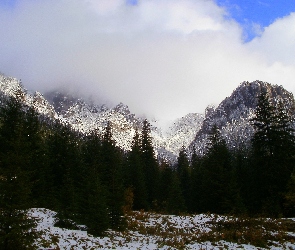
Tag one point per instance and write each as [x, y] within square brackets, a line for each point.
[196, 179]
[218, 190]
[183, 173]
[170, 193]
[273, 149]
[95, 212]
[150, 164]
[64, 163]
[93, 209]
[175, 200]
[38, 156]
[16, 228]
[289, 204]
[111, 173]
[135, 175]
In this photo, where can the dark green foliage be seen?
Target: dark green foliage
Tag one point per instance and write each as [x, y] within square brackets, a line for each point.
[196, 182]
[175, 200]
[289, 198]
[112, 179]
[183, 174]
[135, 175]
[272, 156]
[64, 163]
[95, 212]
[150, 164]
[93, 201]
[217, 190]
[16, 228]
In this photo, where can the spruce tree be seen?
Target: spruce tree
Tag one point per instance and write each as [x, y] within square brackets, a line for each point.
[272, 152]
[135, 175]
[150, 164]
[196, 179]
[64, 163]
[93, 201]
[34, 129]
[289, 201]
[218, 187]
[170, 194]
[16, 227]
[111, 173]
[183, 172]
[175, 200]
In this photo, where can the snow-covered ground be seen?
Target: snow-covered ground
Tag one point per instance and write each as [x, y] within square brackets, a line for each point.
[145, 231]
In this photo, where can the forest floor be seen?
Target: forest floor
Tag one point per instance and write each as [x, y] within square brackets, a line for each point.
[157, 231]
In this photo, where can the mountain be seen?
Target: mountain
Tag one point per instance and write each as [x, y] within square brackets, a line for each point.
[86, 116]
[232, 116]
[10, 86]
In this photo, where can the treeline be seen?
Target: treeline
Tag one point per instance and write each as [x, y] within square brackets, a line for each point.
[86, 178]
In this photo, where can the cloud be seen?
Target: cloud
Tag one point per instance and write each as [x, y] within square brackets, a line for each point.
[163, 58]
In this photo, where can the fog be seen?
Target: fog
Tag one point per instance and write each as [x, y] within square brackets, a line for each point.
[163, 58]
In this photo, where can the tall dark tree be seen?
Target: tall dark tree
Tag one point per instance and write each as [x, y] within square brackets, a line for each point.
[64, 160]
[175, 199]
[196, 179]
[93, 201]
[218, 185]
[170, 194]
[183, 172]
[150, 164]
[16, 228]
[38, 156]
[135, 175]
[273, 149]
[111, 173]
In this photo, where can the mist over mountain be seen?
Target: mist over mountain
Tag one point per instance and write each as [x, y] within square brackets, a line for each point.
[232, 116]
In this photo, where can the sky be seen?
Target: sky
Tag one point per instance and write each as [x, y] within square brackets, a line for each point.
[163, 58]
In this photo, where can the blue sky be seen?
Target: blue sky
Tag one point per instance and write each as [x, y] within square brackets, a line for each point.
[7, 3]
[261, 12]
[163, 58]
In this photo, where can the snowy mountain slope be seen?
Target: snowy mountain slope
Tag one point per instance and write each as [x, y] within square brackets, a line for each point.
[183, 131]
[233, 114]
[10, 86]
[86, 116]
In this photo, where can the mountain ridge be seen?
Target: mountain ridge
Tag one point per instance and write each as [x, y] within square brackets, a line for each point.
[232, 116]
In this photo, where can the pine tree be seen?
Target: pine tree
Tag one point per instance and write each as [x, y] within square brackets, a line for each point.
[38, 158]
[64, 163]
[217, 187]
[135, 176]
[95, 212]
[196, 179]
[93, 209]
[183, 173]
[273, 149]
[170, 193]
[175, 199]
[111, 173]
[150, 165]
[289, 201]
[16, 228]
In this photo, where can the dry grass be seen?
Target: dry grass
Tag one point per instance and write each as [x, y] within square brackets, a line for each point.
[243, 230]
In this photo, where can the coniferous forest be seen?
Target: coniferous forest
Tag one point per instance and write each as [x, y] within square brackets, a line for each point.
[87, 179]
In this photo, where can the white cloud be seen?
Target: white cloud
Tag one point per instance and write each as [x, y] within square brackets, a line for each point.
[164, 58]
